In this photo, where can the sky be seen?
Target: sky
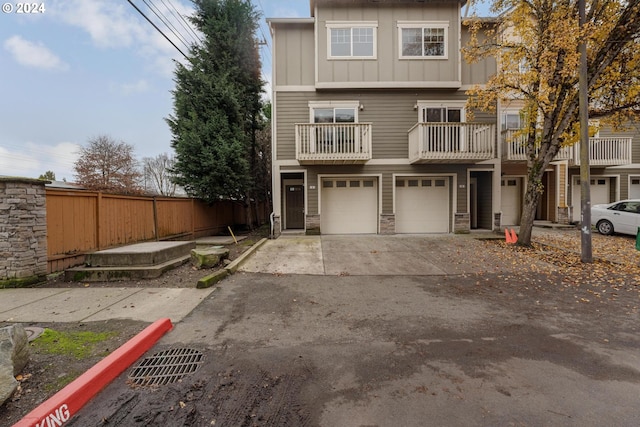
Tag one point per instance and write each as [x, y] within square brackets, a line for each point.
[73, 70]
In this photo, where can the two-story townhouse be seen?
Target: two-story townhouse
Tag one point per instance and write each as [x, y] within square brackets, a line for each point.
[370, 129]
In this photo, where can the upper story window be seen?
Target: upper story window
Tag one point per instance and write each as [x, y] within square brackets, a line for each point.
[441, 112]
[351, 40]
[423, 40]
[512, 120]
[334, 112]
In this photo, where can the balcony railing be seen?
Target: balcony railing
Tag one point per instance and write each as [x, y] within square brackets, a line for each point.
[602, 151]
[451, 142]
[606, 151]
[514, 147]
[346, 143]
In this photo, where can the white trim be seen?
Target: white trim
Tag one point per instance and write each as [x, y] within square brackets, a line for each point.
[292, 88]
[351, 25]
[444, 25]
[435, 84]
[392, 162]
[313, 105]
[290, 20]
[443, 104]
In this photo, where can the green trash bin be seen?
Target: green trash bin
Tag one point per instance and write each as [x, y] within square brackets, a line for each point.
[638, 239]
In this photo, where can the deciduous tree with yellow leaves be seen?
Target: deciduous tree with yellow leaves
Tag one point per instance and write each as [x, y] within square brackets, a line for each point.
[536, 43]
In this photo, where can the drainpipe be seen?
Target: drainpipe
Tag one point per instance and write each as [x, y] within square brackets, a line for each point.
[271, 221]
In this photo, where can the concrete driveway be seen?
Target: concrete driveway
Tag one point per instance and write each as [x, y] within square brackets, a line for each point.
[406, 255]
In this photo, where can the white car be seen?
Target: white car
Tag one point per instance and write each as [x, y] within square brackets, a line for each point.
[618, 217]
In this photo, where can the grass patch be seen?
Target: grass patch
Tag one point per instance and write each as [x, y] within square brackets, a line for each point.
[77, 344]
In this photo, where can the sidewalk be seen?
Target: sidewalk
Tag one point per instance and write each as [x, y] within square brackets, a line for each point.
[95, 304]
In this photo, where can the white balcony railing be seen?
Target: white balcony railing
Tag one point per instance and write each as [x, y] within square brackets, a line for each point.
[514, 147]
[602, 151]
[606, 151]
[333, 142]
[451, 142]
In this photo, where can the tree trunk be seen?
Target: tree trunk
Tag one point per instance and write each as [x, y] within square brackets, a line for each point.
[534, 190]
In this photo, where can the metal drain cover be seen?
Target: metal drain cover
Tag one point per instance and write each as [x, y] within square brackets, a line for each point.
[166, 367]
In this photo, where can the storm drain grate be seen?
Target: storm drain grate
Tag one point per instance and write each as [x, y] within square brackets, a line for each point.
[166, 367]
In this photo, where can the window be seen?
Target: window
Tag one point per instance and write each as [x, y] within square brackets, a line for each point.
[419, 40]
[349, 40]
[512, 120]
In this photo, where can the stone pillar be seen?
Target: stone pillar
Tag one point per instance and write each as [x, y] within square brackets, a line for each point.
[497, 221]
[277, 227]
[462, 223]
[23, 231]
[563, 215]
[312, 224]
[387, 224]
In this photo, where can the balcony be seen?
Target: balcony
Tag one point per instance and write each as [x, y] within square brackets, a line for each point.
[451, 142]
[514, 147]
[602, 152]
[606, 152]
[333, 143]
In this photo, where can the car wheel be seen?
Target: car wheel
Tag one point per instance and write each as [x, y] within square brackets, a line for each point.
[605, 227]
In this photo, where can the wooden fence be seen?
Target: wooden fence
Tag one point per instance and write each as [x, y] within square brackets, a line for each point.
[79, 222]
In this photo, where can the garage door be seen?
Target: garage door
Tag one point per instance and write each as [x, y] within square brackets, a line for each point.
[349, 206]
[510, 200]
[599, 194]
[422, 205]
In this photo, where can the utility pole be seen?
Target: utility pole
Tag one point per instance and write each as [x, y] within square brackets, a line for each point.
[585, 179]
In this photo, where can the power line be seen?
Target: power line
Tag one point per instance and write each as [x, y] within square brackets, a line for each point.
[183, 22]
[158, 29]
[167, 22]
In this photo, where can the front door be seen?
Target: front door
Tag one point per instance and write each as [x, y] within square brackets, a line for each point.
[295, 206]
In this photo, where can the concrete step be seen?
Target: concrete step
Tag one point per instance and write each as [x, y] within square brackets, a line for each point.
[117, 273]
[140, 254]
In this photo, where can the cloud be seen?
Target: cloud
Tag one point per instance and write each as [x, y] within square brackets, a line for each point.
[140, 86]
[116, 25]
[32, 160]
[32, 54]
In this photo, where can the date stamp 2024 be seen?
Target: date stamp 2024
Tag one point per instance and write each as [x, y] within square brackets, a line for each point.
[23, 8]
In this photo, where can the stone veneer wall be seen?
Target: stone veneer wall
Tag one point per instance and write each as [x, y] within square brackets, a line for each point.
[462, 223]
[563, 215]
[387, 224]
[312, 224]
[23, 231]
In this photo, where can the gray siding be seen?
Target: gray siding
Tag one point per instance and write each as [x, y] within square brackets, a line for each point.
[387, 171]
[391, 114]
[294, 55]
[388, 67]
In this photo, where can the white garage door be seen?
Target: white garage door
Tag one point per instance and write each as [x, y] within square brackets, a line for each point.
[634, 187]
[510, 200]
[422, 205]
[349, 206]
[599, 194]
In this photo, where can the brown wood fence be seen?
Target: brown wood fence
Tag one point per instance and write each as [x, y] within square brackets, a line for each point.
[79, 222]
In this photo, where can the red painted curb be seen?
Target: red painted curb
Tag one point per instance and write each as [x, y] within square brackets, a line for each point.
[59, 409]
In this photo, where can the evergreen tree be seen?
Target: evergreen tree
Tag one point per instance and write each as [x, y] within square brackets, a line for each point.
[217, 103]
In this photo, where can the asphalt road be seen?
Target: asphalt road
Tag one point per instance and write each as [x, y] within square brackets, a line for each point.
[433, 350]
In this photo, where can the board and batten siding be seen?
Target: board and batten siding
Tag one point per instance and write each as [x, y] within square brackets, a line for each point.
[479, 72]
[388, 67]
[391, 114]
[294, 57]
